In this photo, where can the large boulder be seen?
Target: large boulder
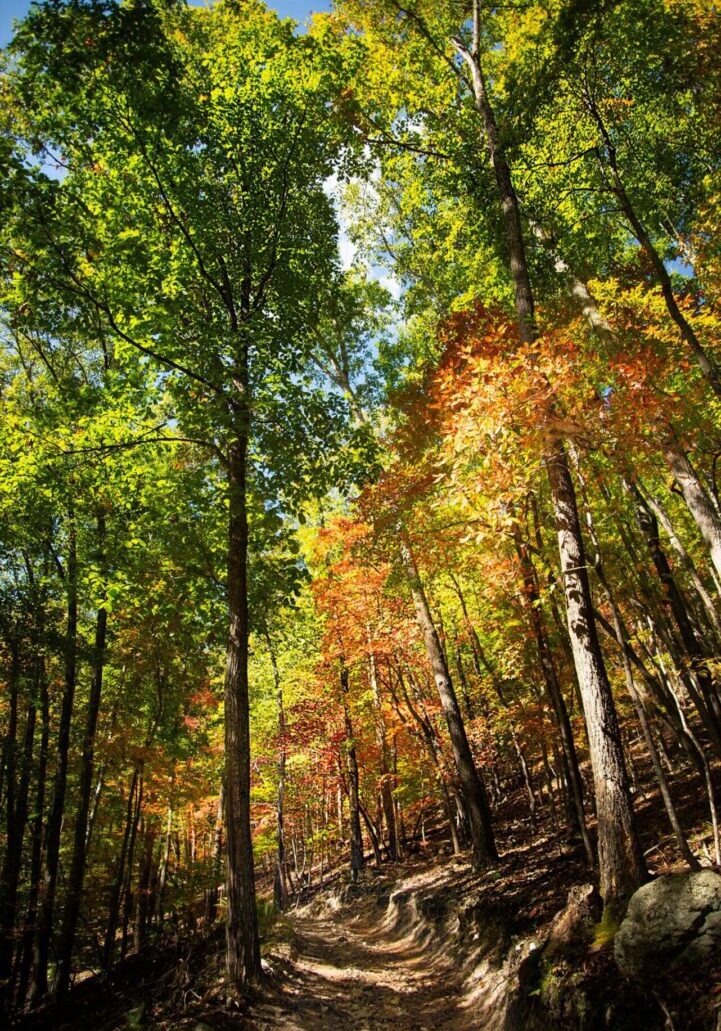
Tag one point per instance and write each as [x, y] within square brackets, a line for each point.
[673, 920]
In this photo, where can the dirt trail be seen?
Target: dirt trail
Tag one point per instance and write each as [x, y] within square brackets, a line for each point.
[351, 974]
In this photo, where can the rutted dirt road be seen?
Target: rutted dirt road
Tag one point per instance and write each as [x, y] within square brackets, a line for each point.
[353, 975]
[425, 948]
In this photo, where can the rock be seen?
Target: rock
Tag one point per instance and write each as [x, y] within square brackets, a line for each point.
[572, 927]
[674, 920]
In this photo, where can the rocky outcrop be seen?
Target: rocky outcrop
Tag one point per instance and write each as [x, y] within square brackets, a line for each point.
[672, 921]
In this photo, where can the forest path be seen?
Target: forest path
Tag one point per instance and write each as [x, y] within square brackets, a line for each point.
[350, 974]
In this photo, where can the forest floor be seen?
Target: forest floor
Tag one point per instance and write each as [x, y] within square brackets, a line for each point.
[416, 946]
[354, 973]
[338, 962]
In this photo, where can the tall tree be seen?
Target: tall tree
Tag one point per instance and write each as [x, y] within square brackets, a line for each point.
[216, 286]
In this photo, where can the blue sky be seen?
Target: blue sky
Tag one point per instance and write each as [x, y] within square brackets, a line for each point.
[298, 9]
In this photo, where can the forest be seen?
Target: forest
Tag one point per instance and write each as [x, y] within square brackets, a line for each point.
[360, 517]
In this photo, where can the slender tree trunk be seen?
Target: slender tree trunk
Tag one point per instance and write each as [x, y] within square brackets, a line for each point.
[243, 945]
[10, 744]
[117, 888]
[216, 858]
[37, 825]
[143, 899]
[280, 892]
[427, 736]
[373, 833]
[621, 862]
[462, 679]
[707, 602]
[636, 700]
[526, 775]
[703, 511]
[14, 849]
[473, 790]
[356, 835]
[616, 185]
[128, 884]
[649, 527]
[479, 658]
[386, 787]
[77, 865]
[648, 603]
[13, 818]
[57, 807]
[165, 862]
[699, 503]
[575, 812]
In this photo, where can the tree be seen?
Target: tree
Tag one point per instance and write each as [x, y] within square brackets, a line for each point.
[203, 284]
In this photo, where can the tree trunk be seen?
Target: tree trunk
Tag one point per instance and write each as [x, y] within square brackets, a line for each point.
[57, 807]
[280, 891]
[709, 608]
[14, 849]
[621, 862]
[143, 894]
[356, 835]
[617, 187]
[243, 946]
[216, 859]
[649, 527]
[128, 884]
[37, 839]
[165, 862]
[13, 830]
[699, 503]
[638, 705]
[386, 787]
[473, 790]
[575, 812]
[10, 744]
[77, 866]
[117, 888]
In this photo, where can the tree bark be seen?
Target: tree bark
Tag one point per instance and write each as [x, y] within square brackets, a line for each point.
[76, 875]
[117, 887]
[14, 848]
[13, 818]
[243, 945]
[699, 503]
[636, 700]
[575, 812]
[709, 608]
[649, 527]
[386, 788]
[621, 863]
[128, 882]
[280, 890]
[57, 807]
[473, 790]
[356, 834]
[216, 858]
[10, 744]
[143, 894]
[617, 187]
[36, 852]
